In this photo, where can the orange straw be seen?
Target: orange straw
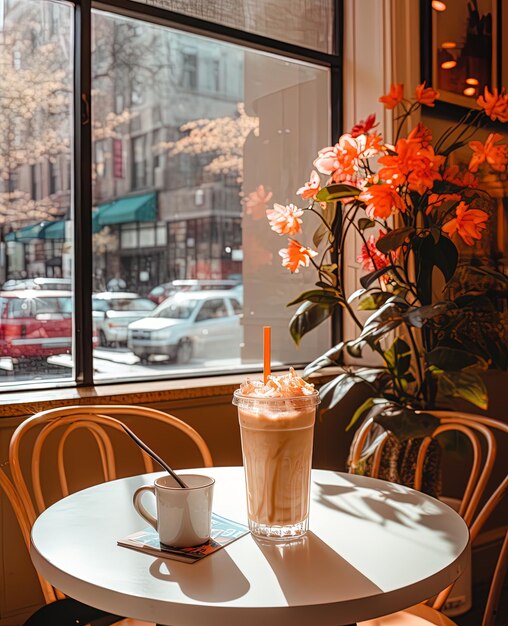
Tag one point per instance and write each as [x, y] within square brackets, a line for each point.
[266, 352]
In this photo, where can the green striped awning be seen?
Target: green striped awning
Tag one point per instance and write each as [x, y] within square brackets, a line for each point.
[128, 209]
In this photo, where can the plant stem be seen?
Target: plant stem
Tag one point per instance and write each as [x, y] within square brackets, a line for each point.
[417, 357]
[406, 115]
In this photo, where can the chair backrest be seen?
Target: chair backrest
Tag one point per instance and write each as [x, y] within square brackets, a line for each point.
[24, 524]
[51, 431]
[481, 434]
[496, 586]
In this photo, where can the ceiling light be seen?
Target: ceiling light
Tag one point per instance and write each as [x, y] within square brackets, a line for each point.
[472, 81]
[469, 91]
[448, 65]
[449, 44]
[437, 5]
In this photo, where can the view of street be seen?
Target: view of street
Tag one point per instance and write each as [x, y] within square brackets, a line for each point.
[112, 364]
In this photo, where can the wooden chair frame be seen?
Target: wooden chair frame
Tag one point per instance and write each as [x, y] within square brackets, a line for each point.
[94, 418]
[473, 427]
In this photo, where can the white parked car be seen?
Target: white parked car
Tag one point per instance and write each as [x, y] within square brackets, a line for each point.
[203, 324]
[113, 311]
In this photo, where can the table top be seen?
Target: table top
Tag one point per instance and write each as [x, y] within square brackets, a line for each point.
[373, 548]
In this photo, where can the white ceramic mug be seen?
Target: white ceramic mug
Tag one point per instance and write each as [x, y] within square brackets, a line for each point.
[183, 515]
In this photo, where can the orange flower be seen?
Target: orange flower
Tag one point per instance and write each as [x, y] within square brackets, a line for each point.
[373, 144]
[394, 96]
[453, 175]
[495, 156]
[285, 220]
[382, 201]
[435, 200]
[426, 95]
[328, 160]
[468, 180]
[340, 160]
[468, 223]
[310, 189]
[363, 127]
[421, 134]
[370, 257]
[412, 164]
[494, 104]
[296, 255]
[256, 202]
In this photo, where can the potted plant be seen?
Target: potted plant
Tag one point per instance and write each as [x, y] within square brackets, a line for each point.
[412, 210]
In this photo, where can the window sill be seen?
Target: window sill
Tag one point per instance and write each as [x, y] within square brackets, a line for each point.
[17, 403]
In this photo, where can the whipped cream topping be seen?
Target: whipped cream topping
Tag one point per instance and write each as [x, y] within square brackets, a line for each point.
[285, 386]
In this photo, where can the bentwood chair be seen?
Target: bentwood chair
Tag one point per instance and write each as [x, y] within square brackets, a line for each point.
[58, 451]
[480, 432]
[65, 611]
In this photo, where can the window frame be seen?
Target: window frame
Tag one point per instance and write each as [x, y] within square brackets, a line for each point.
[82, 138]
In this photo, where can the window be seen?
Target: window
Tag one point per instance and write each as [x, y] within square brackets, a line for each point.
[100, 159]
[302, 22]
[189, 75]
[36, 46]
[193, 136]
[52, 176]
[212, 309]
[13, 182]
[33, 182]
[139, 163]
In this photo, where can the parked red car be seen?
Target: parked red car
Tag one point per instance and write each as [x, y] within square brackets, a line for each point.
[35, 323]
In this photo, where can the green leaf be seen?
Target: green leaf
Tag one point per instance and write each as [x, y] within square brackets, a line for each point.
[308, 316]
[329, 211]
[364, 223]
[365, 406]
[374, 301]
[435, 231]
[467, 384]
[445, 257]
[330, 357]
[336, 192]
[450, 359]
[356, 294]
[354, 348]
[319, 235]
[368, 279]
[333, 392]
[417, 316]
[404, 422]
[325, 297]
[394, 239]
[385, 319]
[398, 357]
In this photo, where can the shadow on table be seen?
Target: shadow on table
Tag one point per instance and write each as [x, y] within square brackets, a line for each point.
[386, 503]
[308, 560]
[216, 580]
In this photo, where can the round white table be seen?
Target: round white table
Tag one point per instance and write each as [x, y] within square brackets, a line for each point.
[373, 548]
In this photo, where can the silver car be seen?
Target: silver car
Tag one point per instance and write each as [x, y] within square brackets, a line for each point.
[113, 311]
[190, 324]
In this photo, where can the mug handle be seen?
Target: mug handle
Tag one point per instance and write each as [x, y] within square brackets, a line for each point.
[138, 505]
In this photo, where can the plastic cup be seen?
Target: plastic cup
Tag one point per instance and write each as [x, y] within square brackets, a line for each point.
[277, 438]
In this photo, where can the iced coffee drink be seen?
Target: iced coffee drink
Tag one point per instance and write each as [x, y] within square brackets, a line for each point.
[277, 427]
